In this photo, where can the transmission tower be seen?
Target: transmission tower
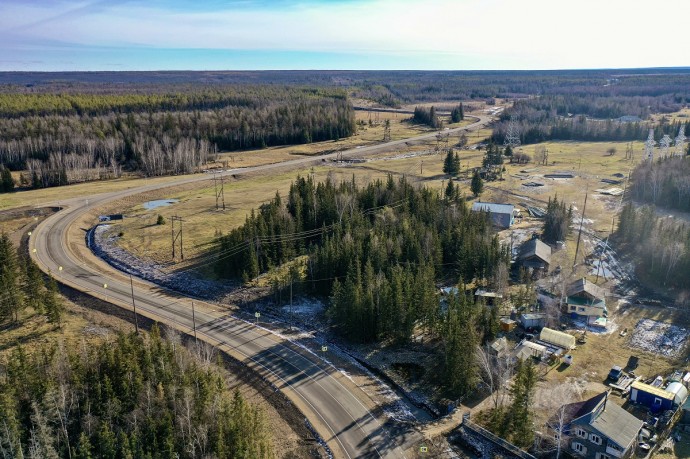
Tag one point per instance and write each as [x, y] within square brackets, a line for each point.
[512, 138]
[649, 146]
[664, 145]
[175, 235]
[220, 193]
[680, 142]
[629, 151]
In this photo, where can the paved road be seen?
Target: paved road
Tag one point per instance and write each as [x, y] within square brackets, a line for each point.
[340, 412]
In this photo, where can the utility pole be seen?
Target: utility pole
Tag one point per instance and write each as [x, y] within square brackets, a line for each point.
[175, 235]
[136, 322]
[220, 194]
[194, 322]
[579, 234]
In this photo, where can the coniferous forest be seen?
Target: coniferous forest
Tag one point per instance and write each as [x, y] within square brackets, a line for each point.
[72, 137]
[377, 252]
[134, 398]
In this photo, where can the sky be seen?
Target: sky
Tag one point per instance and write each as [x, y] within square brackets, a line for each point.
[73, 35]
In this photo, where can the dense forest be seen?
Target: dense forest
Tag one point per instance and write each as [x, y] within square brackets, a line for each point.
[65, 137]
[588, 118]
[661, 246]
[377, 252]
[664, 182]
[134, 397]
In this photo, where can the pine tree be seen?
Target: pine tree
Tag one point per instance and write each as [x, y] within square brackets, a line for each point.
[33, 286]
[6, 180]
[450, 190]
[11, 297]
[556, 221]
[457, 114]
[477, 184]
[451, 165]
[522, 392]
[52, 302]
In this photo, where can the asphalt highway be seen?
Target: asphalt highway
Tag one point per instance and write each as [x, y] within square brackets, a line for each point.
[342, 414]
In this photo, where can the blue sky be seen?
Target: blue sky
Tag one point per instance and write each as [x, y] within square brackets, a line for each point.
[51, 35]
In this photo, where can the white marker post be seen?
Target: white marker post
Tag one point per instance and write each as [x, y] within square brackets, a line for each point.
[105, 291]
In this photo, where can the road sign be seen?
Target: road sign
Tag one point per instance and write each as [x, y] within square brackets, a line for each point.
[257, 314]
[423, 449]
[324, 348]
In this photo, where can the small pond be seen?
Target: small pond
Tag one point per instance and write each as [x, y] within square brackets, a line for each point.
[150, 205]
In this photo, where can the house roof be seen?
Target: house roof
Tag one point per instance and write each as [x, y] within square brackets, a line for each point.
[607, 418]
[493, 207]
[656, 391]
[500, 344]
[534, 247]
[617, 425]
[584, 286]
[487, 294]
[534, 316]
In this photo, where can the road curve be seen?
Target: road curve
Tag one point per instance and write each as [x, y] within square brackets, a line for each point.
[339, 411]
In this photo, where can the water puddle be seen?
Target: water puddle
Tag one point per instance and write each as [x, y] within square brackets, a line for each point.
[150, 205]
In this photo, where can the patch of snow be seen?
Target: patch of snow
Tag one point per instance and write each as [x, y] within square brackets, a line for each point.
[660, 338]
[104, 245]
[611, 327]
[308, 307]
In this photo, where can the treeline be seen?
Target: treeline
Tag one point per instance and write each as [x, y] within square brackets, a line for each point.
[396, 88]
[134, 397]
[377, 251]
[664, 182]
[22, 286]
[78, 137]
[661, 246]
[586, 118]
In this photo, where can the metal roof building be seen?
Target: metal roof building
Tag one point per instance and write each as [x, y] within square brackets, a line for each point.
[501, 215]
[535, 254]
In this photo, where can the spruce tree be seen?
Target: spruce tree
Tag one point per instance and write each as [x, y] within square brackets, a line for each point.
[477, 184]
[556, 221]
[451, 165]
[522, 392]
[6, 180]
[52, 302]
[11, 296]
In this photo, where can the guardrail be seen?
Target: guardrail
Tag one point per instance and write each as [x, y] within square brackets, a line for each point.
[496, 440]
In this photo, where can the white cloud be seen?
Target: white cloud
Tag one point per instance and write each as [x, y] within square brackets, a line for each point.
[502, 33]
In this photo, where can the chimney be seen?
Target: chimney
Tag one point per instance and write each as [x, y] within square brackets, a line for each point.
[606, 399]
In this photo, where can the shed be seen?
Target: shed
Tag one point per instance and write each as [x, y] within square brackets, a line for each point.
[507, 324]
[654, 398]
[533, 320]
[557, 338]
[499, 346]
[490, 298]
[502, 215]
[528, 349]
[535, 254]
